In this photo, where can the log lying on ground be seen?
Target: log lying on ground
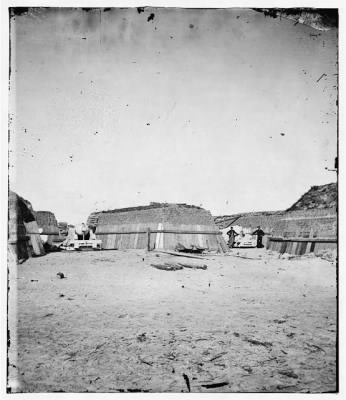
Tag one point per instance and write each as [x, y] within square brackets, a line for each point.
[175, 253]
[177, 266]
[193, 266]
[167, 267]
[215, 385]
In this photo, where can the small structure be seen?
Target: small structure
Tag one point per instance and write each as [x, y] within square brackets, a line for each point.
[63, 228]
[48, 226]
[305, 231]
[158, 226]
[23, 235]
[81, 237]
[310, 224]
[249, 221]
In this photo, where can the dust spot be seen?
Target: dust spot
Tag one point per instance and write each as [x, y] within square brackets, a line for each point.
[191, 26]
[151, 17]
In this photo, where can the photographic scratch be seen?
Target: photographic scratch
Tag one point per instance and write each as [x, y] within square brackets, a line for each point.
[321, 77]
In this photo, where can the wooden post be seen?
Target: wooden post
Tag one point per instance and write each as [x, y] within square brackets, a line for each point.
[148, 239]
[221, 250]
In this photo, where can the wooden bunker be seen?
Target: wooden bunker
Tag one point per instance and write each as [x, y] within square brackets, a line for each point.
[305, 231]
[310, 224]
[23, 236]
[48, 226]
[158, 226]
[265, 219]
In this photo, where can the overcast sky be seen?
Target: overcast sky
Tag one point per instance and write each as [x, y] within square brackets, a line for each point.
[221, 108]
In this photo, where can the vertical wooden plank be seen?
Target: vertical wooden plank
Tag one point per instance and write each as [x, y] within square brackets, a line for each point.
[142, 240]
[220, 247]
[123, 239]
[148, 239]
[194, 236]
[303, 248]
[142, 237]
[308, 247]
[201, 238]
[294, 248]
[178, 236]
[127, 237]
[168, 241]
[313, 245]
[159, 242]
[35, 239]
[135, 243]
[188, 237]
[113, 242]
[105, 239]
[120, 241]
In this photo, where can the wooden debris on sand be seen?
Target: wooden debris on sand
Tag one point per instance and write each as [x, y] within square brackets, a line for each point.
[218, 356]
[167, 267]
[193, 266]
[175, 253]
[215, 385]
[259, 343]
[187, 381]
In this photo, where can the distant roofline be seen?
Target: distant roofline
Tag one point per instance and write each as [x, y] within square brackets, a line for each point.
[250, 213]
[151, 206]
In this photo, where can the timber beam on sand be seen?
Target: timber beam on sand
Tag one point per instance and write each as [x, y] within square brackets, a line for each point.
[161, 231]
[314, 240]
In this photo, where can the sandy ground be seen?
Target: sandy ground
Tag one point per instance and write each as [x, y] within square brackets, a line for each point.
[118, 324]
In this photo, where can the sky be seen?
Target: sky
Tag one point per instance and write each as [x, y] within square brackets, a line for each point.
[227, 109]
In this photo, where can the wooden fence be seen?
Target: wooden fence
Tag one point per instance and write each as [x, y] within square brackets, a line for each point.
[300, 246]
